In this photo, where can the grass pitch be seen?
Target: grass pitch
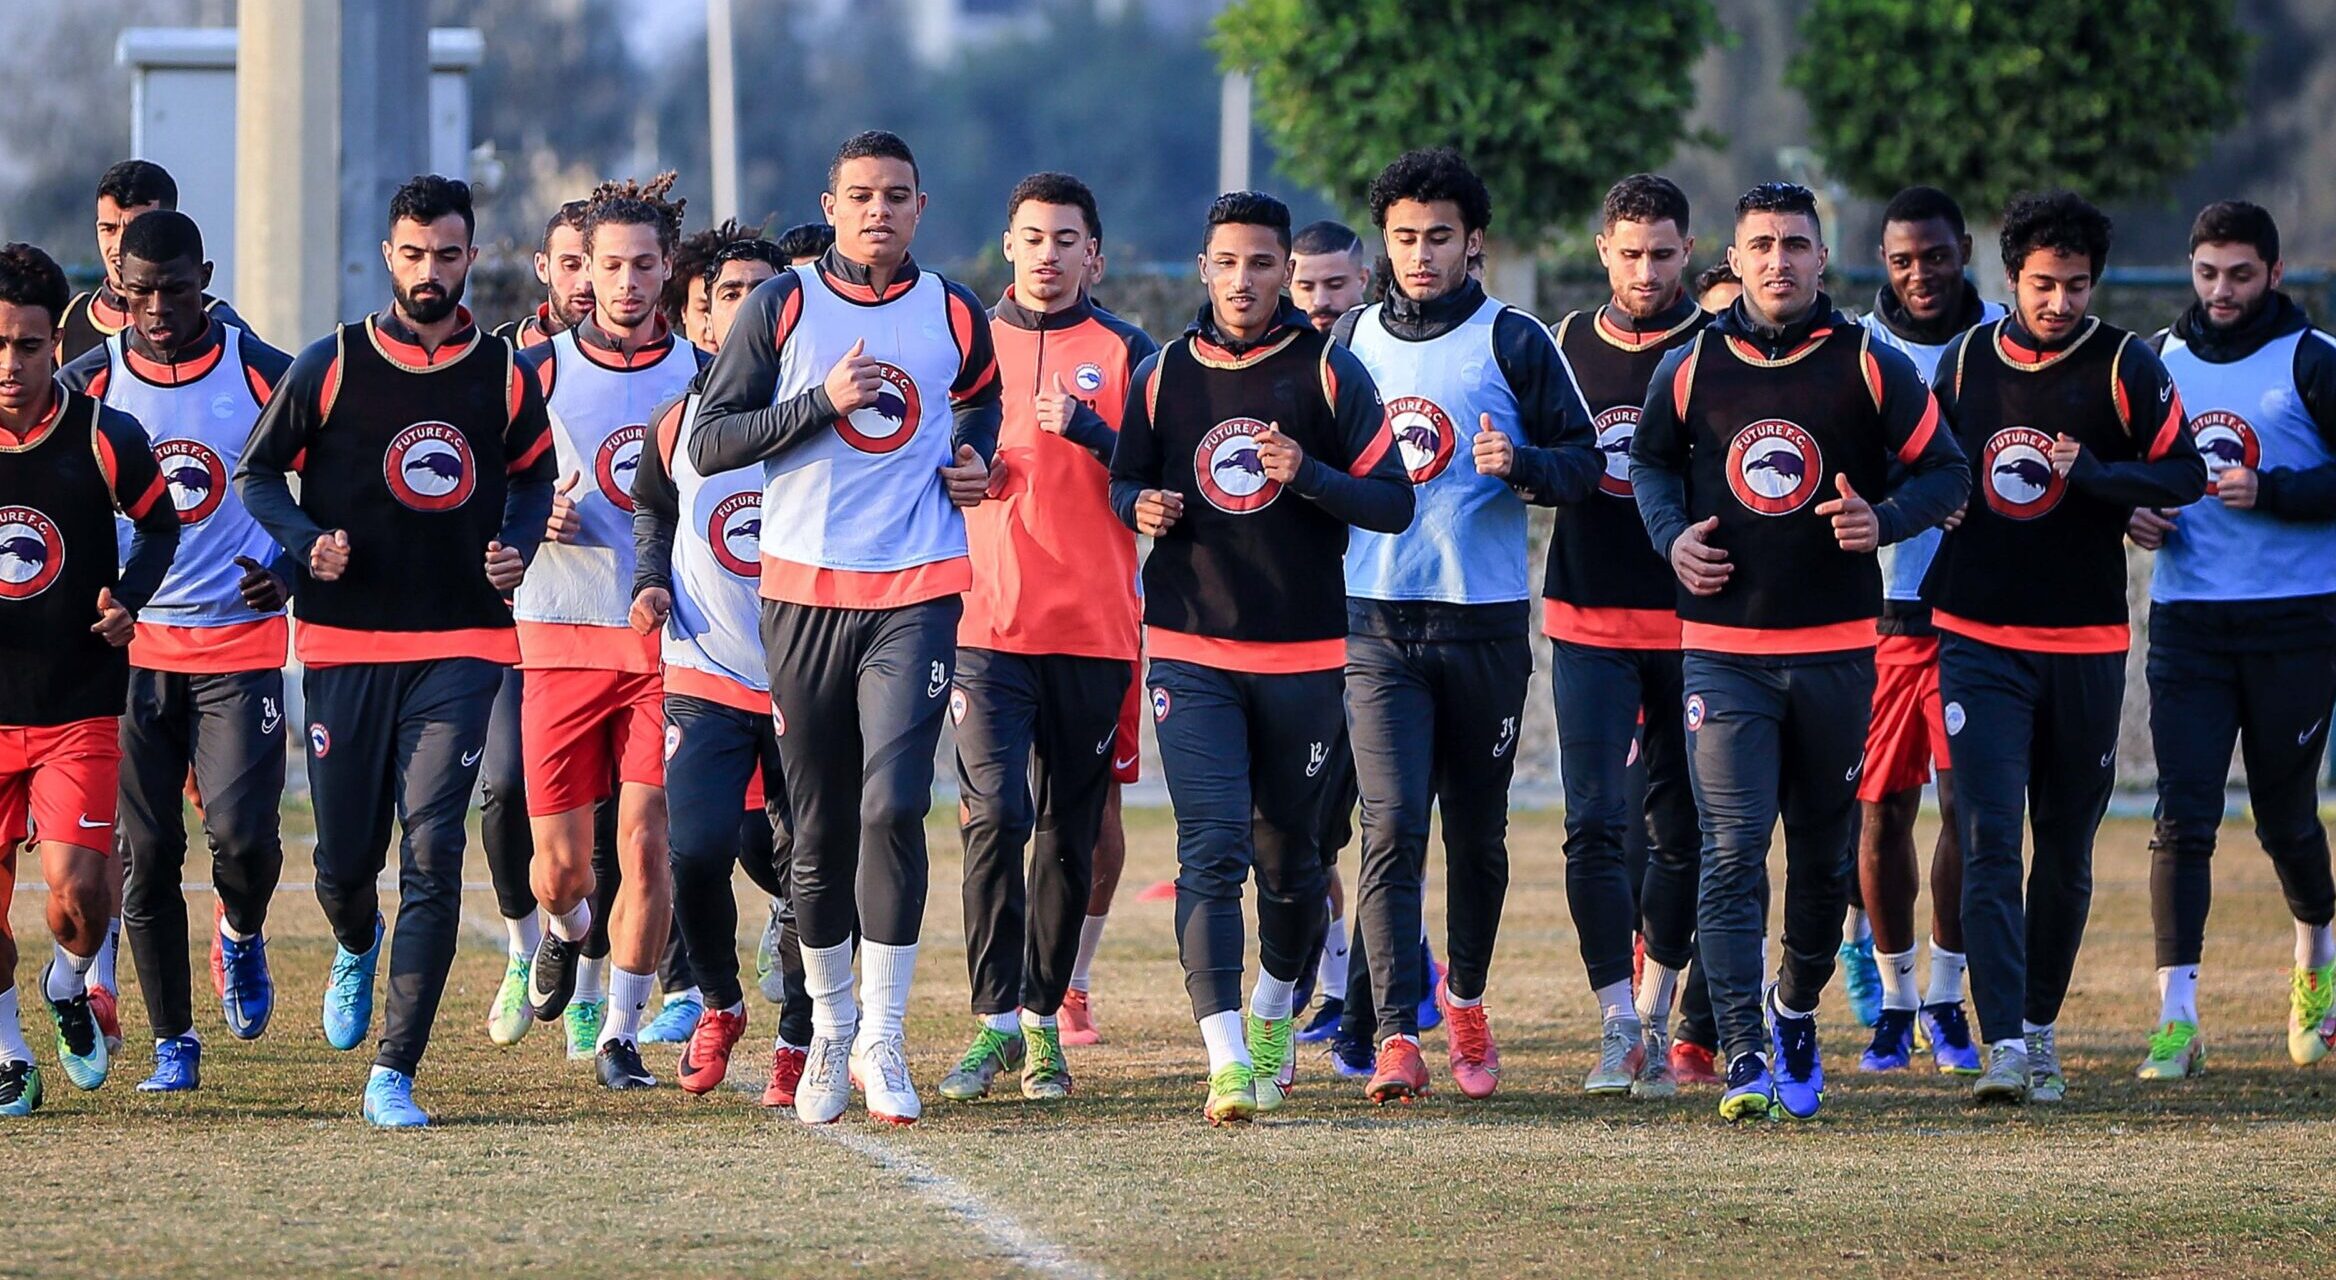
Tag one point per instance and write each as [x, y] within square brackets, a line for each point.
[533, 1169]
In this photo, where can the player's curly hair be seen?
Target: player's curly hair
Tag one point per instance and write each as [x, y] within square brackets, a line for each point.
[630, 202]
[2060, 220]
[1427, 175]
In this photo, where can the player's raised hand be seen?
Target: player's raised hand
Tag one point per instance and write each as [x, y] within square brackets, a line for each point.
[505, 567]
[261, 589]
[1054, 407]
[1280, 454]
[2149, 527]
[114, 623]
[853, 382]
[1494, 452]
[1854, 524]
[328, 556]
[564, 525]
[1702, 568]
[651, 608]
[1157, 511]
[967, 479]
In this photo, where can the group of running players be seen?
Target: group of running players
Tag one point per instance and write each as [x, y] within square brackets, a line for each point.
[689, 565]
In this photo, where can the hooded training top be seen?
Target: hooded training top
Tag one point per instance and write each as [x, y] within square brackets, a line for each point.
[1604, 584]
[855, 514]
[1757, 427]
[423, 457]
[1249, 577]
[2262, 395]
[1445, 367]
[1054, 571]
[198, 408]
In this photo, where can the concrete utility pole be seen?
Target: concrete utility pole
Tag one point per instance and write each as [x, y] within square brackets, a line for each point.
[722, 107]
[331, 114]
[1233, 133]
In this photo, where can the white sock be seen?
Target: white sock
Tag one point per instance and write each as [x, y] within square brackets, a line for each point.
[1331, 978]
[12, 1045]
[524, 933]
[1614, 1002]
[1008, 1023]
[571, 925]
[827, 977]
[737, 1010]
[1861, 930]
[229, 932]
[1776, 1007]
[2178, 993]
[1271, 998]
[1897, 979]
[2020, 1044]
[592, 979]
[686, 994]
[69, 976]
[1044, 1021]
[780, 1042]
[2315, 945]
[1090, 938]
[1221, 1032]
[2028, 1028]
[103, 972]
[1458, 1003]
[1657, 989]
[1946, 976]
[628, 995]
[885, 974]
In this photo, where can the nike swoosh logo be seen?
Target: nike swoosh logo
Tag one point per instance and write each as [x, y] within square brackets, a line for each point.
[2306, 735]
[1118, 763]
[87, 825]
[470, 758]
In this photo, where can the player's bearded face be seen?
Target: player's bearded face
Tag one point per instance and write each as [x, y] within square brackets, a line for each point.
[428, 266]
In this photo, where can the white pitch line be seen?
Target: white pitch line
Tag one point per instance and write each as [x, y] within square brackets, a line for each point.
[1021, 1246]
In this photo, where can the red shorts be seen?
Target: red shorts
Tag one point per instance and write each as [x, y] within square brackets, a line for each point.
[1127, 746]
[586, 730]
[1908, 732]
[64, 778]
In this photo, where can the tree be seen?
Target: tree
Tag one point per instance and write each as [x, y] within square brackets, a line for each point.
[1550, 101]
[1986, 100]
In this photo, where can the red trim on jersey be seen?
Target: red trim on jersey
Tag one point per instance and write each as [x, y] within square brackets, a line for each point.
[2109, 637]
[659, 346]
[689, 682]
[257, 645]
[1610, 628]
[1857, 633]
[790, 311]
[1752, 355]
[39, 429]
[317, 645]
[1919, 439]
[583, 646]
[260, 390]
[2169, 430]
[99, 381]
[1681, 380]
[669, 432]
[111, 465]
[413, 356]
[794, 583]
[1381, 441]
[327, 391]
[164, 373]
[858, 292]
[1256, 657]
[527, 459]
